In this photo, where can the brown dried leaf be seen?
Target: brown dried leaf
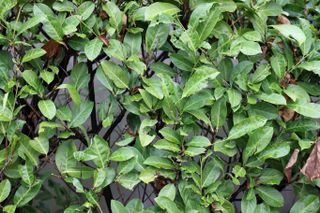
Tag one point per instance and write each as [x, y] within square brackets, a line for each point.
[292, 161]
[103, 15]
[312, 167]
[287, 114]
[104, 39]
[287, 79]
[52, 48]
[283, 20]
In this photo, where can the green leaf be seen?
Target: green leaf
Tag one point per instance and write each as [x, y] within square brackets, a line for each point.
[117, 207]
[51, 25]
[270, 176]
[167, 204]
[211, 173]
[278, 64]
[258, 141]
[133, 43]
[93, 48]
[306, 204]
[6, 5]
[54, 28]
[85, 10]
[102, 178]
[116, 74]
[303, 125]
[100, 148]
[79, 77]
[276, 150]
[159, 162]
[248, 202]
[26, 152]
[199, 14]
[154, 10]
[156, 36]
[313, 66]
[144, 137]
[194, 151]
[206, 26]
[234, 98]
[115, 15]
[170, 135]
[26, 193]
[148, 175]
[74, 94]
[250, 48]
[6, 114]
[5, 188]
[33, 54]
[182, 61]
[33, 21]
[47, 76]
[40, 144]
[291, 31]
[310, 110]
[122, 154]
[199, 80]
[246, 126]
[219, 113]
[166, 145]
[64, 6]
[199, 141]
[168, 191]
[198, 101]
[47, 108]
[252, 36]
[271, 196]
[261, 73]
[129, 181]
[80, 114]
[64, 156]
[228, 148]
[116, 50]
[272, 98]
[32, 79]
[297, 93]
[26, 173]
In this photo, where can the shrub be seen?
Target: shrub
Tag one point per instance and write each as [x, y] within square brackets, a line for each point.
[159, 106]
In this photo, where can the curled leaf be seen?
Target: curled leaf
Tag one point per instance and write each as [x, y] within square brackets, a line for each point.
[312, 167]
[290, 164]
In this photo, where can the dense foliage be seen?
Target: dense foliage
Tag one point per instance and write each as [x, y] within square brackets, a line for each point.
[159, 106]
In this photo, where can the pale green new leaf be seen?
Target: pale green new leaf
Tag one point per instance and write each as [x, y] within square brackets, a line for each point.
[118, 207]
[145, 138]
[5, 188]
[33, 54]
[291, 31]
[40, 144]
[313, 66]
[47, 108]
[310, 110]
[273, 98]
[154, 10]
